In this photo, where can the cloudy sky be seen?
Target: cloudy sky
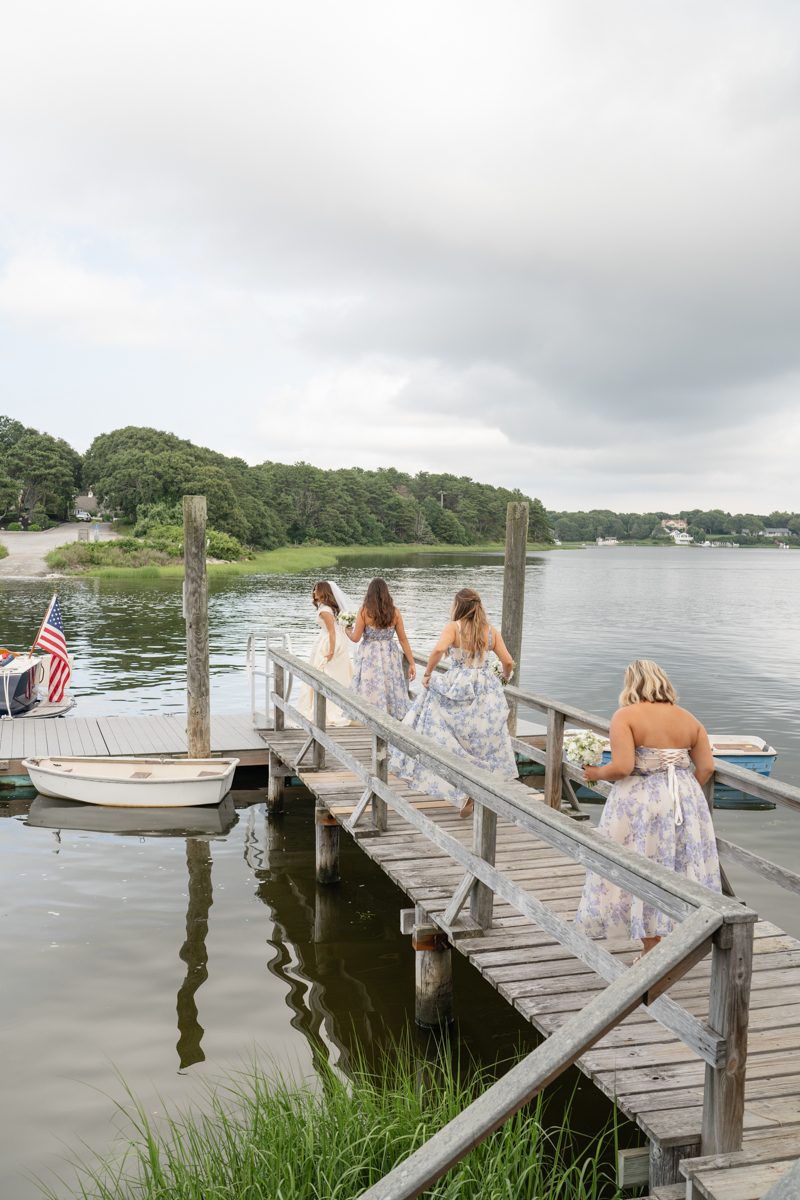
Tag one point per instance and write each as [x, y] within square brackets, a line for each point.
[553, 245]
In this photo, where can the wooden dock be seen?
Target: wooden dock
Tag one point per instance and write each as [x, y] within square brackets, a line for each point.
[232, 735]
[652, 1076]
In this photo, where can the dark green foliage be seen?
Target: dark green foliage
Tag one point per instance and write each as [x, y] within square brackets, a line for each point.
[586, 526]
[46, 471]
[262, 1136]
[276, 504]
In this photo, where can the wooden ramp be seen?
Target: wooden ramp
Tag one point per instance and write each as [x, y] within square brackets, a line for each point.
[654, 1079]
[165, 734]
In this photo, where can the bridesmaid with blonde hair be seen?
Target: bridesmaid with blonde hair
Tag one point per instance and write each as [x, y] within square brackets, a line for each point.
[660, 759]
[378, 675]
[464, 709]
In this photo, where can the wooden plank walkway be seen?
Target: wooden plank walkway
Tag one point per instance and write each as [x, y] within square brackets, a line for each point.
[654, 1079]
[231, 734]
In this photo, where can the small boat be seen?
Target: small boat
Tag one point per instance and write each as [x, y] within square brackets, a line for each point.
[134, 782]
[24, 686]
[750, 752]
[211, 821]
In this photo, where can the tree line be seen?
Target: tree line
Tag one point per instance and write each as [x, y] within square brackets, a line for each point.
[140, 474]
[601, 522]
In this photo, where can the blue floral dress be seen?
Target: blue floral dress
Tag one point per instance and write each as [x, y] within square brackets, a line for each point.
[465, 711]
[660, 811]
[378, 676]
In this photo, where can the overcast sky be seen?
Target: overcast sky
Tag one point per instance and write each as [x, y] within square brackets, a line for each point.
[551, 245]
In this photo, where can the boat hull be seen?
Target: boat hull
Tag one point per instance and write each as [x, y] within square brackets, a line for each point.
[133, 782]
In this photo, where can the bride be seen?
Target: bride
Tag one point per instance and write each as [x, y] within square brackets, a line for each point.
[330, 652]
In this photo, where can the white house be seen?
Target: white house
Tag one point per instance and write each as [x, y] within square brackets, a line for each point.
[681, 539]
[607, 542]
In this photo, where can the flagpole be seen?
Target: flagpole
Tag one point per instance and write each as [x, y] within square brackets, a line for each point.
[41, 627]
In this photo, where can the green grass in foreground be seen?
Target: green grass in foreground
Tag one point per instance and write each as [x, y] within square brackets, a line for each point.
[263, 1136]
[287, 560]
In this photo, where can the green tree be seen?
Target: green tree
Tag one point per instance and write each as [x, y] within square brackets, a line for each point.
[48, 469]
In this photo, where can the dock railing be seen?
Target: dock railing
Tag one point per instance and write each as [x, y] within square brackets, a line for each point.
[708, 921]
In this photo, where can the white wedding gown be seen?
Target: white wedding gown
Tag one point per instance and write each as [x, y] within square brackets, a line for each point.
[340, 668]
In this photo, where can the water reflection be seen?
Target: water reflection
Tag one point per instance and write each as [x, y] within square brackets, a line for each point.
[193, 951]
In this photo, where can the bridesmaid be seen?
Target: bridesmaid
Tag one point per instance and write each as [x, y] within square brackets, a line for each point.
[660, 758]
[329, 654]
[464, 710]
[378, 675]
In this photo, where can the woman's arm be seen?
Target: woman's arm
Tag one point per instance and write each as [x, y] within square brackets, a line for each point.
[358, 628]
[623, 752]
[330, 625]
[701, 756]
[400, 630]
[499, 647]
[444, 643]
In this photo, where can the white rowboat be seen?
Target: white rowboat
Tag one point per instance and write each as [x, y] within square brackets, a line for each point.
[134, 782]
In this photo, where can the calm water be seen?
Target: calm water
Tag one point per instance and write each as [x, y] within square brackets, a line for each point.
[171, 957]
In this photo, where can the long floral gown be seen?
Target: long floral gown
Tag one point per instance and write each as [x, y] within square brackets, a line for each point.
[339, 668]
[660, 811]
[465, 711]
[378, 675]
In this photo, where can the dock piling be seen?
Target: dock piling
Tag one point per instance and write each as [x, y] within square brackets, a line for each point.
[514, 592]
[195, 607]
[380, 767]
[433, 1007]
[326, 833]
[275, 785]
[484, 842]
[320, 720]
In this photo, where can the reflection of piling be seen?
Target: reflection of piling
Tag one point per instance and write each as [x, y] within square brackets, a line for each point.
[326, 911]
[193, 952]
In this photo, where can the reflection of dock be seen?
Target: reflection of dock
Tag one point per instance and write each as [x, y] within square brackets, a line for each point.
[232, 735]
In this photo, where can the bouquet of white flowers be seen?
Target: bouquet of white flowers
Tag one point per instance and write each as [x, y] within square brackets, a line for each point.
[348, 619]
[496, 667]
[585, 748]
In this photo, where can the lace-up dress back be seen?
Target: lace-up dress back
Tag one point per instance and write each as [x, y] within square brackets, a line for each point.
[661, 812]
[378, 675]
[465, 711]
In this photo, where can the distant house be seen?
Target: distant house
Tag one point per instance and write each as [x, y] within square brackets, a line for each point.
[681, 539]
[674, 523]
[607, 542]
[778, 533]
[87, 503]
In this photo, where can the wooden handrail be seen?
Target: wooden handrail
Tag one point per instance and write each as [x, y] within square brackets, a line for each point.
[672, 958]
[672, 894]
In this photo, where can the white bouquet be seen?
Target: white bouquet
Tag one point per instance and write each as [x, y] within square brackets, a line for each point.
[585, 748]
[348, 619]
[496, 667]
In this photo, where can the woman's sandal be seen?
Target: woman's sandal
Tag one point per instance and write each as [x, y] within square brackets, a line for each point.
[467, 808]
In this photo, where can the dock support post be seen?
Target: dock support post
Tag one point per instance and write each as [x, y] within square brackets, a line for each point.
[326, 831]
[434, 975]
[484, 842]
[275, 785]
[514, 593]
[279, 722]
[380, 767]
[664, 1163]
[320, 720]
[728, 1015]
[195, 609]
[555, 755]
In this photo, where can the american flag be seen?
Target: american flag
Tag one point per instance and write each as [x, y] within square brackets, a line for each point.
[51, 639]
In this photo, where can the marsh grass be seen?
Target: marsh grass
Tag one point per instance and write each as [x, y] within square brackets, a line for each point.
[261, 1135]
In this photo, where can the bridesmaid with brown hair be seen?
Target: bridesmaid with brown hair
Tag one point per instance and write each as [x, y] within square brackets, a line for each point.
[378, 675]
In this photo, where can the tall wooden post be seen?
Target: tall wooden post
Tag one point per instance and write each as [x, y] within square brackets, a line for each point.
[555, 755]
[514, 592]
[380, 767]
[326, 836]
[278, 718]
[275, 784]
[195, 608]
[484, 842]
[320, 720]
[728, 1015]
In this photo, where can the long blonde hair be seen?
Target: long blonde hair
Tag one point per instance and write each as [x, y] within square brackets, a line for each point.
[468, 609]
[644, 680]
